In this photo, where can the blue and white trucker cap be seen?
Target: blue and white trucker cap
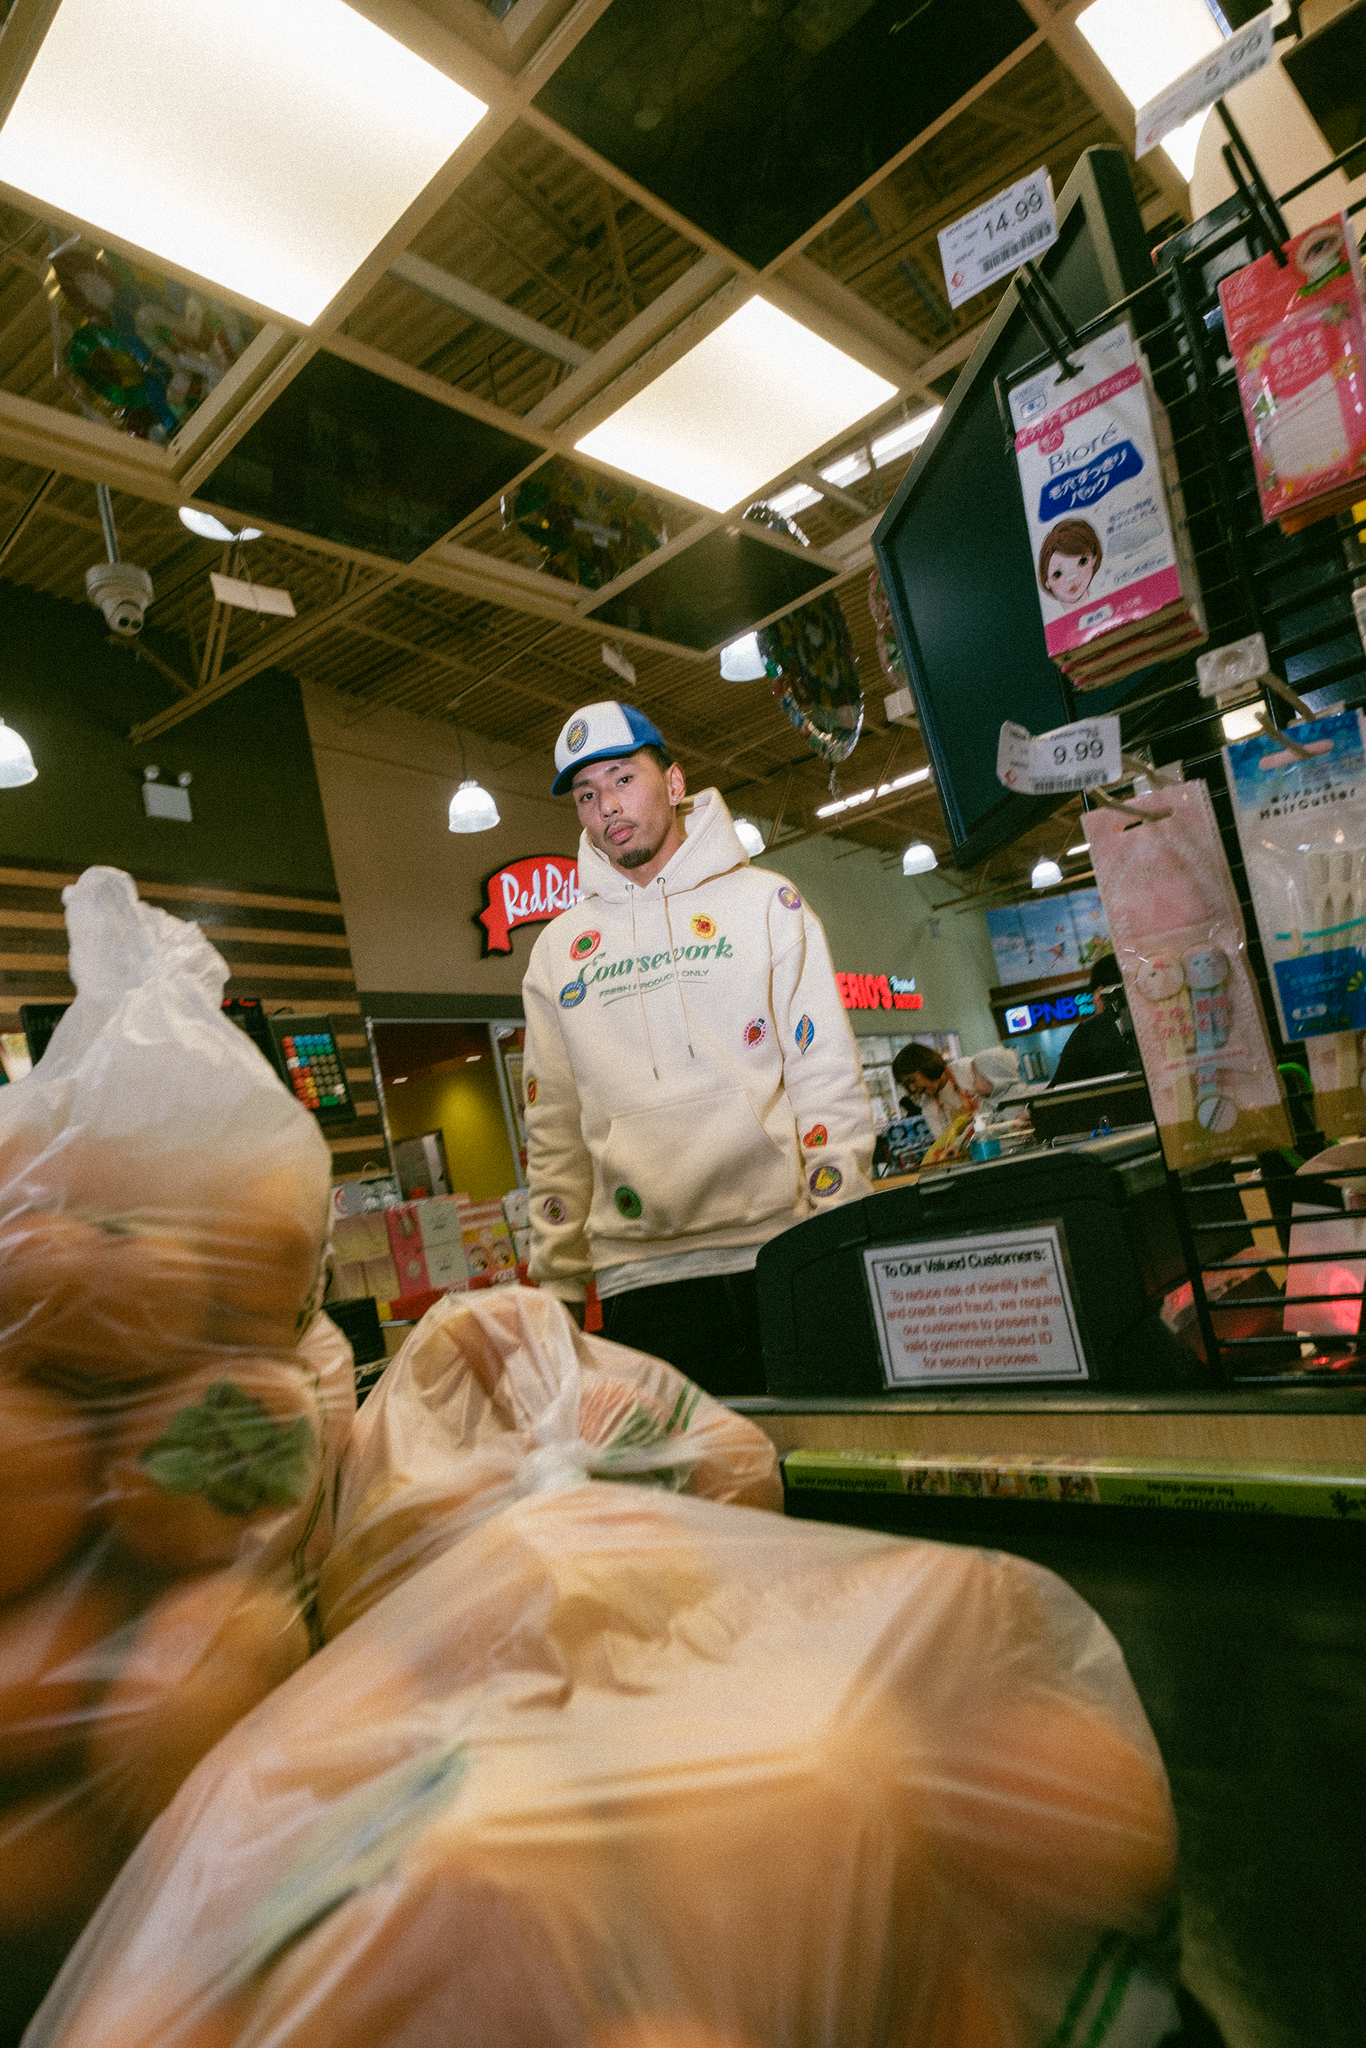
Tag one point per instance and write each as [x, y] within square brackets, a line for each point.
[600, 732]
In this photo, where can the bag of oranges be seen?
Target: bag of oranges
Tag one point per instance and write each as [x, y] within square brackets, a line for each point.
[623, 1766]
[494, 1395]
[172, 1409]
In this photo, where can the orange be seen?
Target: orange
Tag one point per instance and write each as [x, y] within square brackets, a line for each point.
[395, 1530]
[56, 1862]
[198, 1462]
[1050, 1809]
[203, 1655]
[262, 1252]
[49, 1463]
[83, 1305]
[50, 1657]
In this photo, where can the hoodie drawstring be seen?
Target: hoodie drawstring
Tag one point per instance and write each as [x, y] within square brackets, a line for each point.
[673, 955]
[640, 993]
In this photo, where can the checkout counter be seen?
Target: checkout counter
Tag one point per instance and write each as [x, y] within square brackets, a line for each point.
[1220, 1533]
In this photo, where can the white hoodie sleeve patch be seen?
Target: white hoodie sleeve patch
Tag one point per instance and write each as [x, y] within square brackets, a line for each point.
[822, 1077]
[559, 1169]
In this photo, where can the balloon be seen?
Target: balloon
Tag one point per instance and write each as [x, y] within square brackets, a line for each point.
[582, 527]
[136, 350]
[888, 646]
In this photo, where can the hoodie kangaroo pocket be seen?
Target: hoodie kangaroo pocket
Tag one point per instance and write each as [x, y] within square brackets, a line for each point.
[689, 1167]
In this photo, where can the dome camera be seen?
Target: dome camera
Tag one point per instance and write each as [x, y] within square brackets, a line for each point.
[122, 593]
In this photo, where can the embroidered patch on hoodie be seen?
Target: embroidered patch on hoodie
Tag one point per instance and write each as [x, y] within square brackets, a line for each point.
[572, 994]
[629, 1203]
[816, 1136]
[530, 1089]
[702, 926]
[826, 1180]
[553, 1209]
[789, 898]
[756, 1031]
[804, 1034]
[584, 944]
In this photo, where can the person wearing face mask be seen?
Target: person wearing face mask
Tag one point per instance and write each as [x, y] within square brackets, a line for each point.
[692, 1082]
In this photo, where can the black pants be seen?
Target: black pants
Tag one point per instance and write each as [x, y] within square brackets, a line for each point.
[708, 1328]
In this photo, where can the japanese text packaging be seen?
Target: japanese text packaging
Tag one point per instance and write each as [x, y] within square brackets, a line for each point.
[1178, 936]
[1297, 335]
[1116, 577]
[1302, 826]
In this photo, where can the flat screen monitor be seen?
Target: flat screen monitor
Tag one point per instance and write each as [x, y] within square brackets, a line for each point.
[954, 549]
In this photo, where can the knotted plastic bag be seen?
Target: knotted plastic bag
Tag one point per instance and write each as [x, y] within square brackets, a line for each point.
[497, 1395]
[171, 1409]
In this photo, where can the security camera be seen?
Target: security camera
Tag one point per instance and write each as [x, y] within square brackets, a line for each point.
[122, 593]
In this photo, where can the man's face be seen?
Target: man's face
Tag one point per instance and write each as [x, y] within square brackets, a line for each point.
[627, 807]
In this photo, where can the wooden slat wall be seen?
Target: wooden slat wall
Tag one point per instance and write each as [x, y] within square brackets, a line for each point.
[289, 951]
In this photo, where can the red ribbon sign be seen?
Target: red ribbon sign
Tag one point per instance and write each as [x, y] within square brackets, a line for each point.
[526, 892]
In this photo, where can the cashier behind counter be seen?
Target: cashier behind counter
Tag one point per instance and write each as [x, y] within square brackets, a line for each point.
[1101, 1043]
[945, 1089]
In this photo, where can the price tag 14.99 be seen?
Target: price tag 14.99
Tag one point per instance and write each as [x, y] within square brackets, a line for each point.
[986, 245]
[1058, 763]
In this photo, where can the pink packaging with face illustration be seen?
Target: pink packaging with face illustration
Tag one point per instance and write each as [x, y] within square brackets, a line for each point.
[1179, 939]
[1297, 335]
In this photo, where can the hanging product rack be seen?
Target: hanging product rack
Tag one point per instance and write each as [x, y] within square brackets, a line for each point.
[1235, 1220]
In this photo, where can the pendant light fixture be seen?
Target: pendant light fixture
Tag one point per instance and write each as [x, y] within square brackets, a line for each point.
[1045, 874]
[16, 762]
[472, 808]
[741, 661]
[918, 859]
[749, 836]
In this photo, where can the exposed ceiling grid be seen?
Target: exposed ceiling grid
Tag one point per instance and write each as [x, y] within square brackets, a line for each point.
[539, 275]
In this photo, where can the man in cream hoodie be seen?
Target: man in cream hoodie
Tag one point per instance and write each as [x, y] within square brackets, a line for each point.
[692, 1083]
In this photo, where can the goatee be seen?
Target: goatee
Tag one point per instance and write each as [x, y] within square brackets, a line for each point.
[638, 856]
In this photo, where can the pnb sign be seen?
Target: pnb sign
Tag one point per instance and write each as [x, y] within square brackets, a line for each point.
[1043, 1016]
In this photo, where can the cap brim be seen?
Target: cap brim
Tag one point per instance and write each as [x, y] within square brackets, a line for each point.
[564, 781]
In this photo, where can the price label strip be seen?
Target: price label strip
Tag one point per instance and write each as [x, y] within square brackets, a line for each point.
[1249, 51]
[987, 244]
[1057, 763]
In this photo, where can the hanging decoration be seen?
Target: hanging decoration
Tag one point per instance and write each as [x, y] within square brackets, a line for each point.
[582, 527]
[136, 350]
[814, 669]
[888, 646]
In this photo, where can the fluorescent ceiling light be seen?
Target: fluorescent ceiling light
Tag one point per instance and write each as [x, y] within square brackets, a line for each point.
[1240, 725]
[890, 447]
[209, 528]
[1145, 48]
[748, 402]
[847, 470]
[1083, 848]
[800, 498]
[265, 147]
[865, 796]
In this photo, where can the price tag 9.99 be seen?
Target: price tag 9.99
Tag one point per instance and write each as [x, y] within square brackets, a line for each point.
[1074, 757]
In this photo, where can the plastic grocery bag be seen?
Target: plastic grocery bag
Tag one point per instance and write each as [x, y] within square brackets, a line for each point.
[171, 1409]
[495, 1395]
[624, 1768]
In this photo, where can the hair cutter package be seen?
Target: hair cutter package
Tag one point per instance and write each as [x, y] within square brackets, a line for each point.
[1301, 821]
[1297, 335]
[172, 1411]
[491, 1389]
[1179, 939]
[628, 1768]
[1116, 576]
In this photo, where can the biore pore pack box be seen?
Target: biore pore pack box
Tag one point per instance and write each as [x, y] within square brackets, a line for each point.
[1108, 554]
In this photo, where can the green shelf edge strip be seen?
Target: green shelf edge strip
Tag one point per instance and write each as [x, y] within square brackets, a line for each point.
[1323, 1492]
